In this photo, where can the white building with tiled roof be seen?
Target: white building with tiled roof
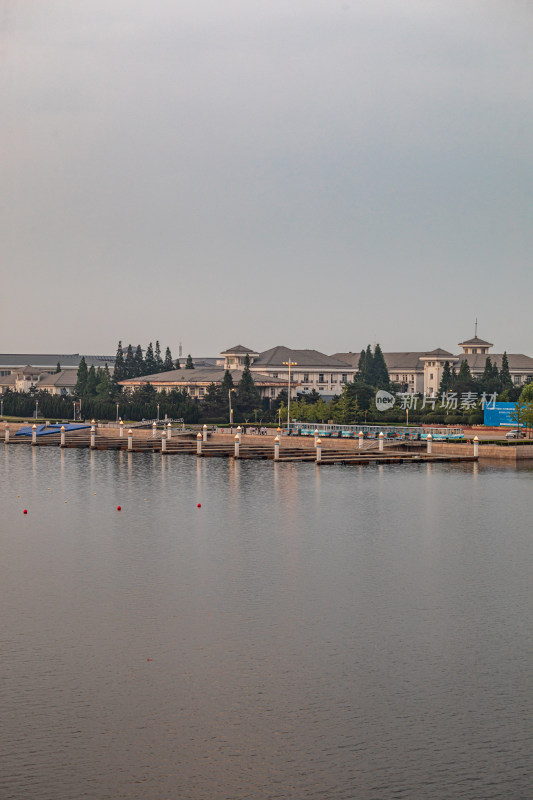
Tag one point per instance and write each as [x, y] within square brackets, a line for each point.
[310, 369]
[421, 372]
[196, 381]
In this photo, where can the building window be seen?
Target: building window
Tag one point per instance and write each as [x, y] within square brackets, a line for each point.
[430, 376]
[201, 391]
[321, 377]
[517, 379]
[344, 377]
[306, 377]
[274, 374]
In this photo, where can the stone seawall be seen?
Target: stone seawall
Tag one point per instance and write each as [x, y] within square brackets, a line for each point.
[492, 451]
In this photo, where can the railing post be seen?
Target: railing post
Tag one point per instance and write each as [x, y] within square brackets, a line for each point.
[130, 439]
[169, 431]
[276, 448]
[237, 446]
[204, 433]
[121, 429]
[361, 437]
[34, 434]
[318, 451]
[6, 433]
[317, 434]
[381, 437]
[154, 430]
[62, 442]
[163, 442]
[476, 447]
[199, 445]
[430, 443]
[93, 435]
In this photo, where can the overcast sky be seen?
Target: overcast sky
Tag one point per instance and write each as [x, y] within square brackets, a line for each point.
[311, 173]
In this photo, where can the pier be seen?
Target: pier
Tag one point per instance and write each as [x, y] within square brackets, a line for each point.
[239, 447]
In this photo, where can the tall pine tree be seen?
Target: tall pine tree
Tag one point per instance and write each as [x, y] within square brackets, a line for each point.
[157, 357]
[381, 373]
[81, 383]
[446, 379]
[149, 360]
[189, 364]
[168, 364]
[129, 363]
[118, 371]
[138, 362]
[505, 376]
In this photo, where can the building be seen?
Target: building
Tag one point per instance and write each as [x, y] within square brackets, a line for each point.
[20, 373]
[421, 372]
[196, 381]
[310, 369]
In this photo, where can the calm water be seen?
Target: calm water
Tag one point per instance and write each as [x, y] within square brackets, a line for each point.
[307, 633]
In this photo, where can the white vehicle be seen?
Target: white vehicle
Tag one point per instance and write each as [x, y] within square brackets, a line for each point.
[516, 433]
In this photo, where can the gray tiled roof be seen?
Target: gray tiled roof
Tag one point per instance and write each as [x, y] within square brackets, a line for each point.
[205, 375]
[439, 353]
[395, 361]
[476, 361]
[475, 341]
[304, 358]
[239, 348]
[67, 377]
[49, 361]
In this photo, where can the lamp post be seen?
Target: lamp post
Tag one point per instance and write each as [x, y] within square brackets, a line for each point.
[117, 412]
[289, 364]
[2, 409]
[230, 408]
[158, 412]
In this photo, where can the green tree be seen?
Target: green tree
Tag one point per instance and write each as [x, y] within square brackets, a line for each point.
[446, 379]
[157, 358]
[505, 376]
[189, 364]
[213, 404]
[58, 368]
[526, 395]
[119, 371]
[138, 362]
[519, 413]
[344, 410]
[104, 388]
[81, 382]
[177, 364]
[129, 363]
[168, 364]
[379, 368]
[92, 382]
[463, 381]
[247, 395]
[149, 360]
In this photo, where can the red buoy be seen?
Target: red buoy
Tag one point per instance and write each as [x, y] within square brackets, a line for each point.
[25, 511]
[119, 508]
[199, 505]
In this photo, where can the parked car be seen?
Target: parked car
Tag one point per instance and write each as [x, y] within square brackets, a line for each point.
[516, 433]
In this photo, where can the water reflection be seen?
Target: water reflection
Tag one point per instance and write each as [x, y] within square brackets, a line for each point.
[310, 632]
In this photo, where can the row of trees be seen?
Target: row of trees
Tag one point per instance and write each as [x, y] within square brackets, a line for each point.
[131, 363]
[491, 381]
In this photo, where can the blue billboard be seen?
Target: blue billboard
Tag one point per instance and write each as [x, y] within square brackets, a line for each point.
[499, 414]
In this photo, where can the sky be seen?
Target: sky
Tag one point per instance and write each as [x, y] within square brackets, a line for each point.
[313, 173]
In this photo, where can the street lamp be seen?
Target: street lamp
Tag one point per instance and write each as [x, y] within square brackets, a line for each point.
[117, 412]
[158, 412]
[2, 409]
[289, 364]
[230, 408]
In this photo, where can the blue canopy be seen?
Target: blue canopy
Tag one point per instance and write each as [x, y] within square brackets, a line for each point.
[44, 430]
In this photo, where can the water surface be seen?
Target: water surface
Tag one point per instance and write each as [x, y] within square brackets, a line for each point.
[333, 632]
